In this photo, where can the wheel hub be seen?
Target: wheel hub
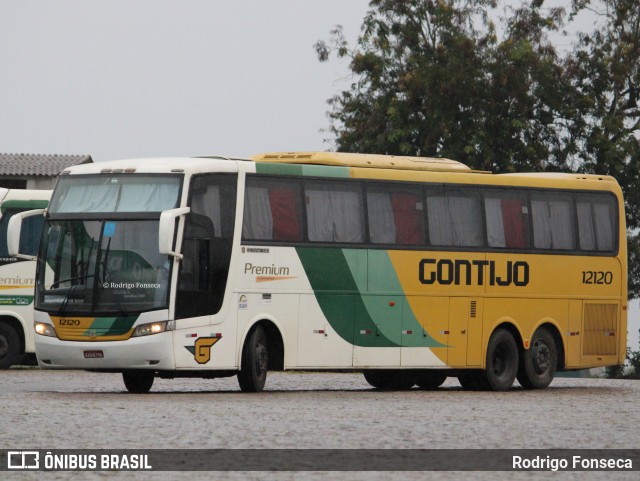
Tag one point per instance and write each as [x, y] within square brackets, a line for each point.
[541, 357]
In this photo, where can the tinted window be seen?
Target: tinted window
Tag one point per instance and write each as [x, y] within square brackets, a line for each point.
[553, 221]
[455, 218]
[596, 222]
[396, 214]
[206, 245]
[334, 212]
[29, 235]
[507, 219]
[272, 210]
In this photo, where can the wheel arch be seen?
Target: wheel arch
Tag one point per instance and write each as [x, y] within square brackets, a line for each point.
[275, 342]
[511, 326]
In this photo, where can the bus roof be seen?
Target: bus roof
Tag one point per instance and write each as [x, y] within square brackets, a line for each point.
[363, 166]
[154, 165]
[374, 161]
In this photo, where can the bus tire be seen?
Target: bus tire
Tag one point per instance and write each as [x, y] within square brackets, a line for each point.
[539, 362]
[138, 382]
[390, 379]
[255, 361]
[430, 379]
[9, 346]
[502, 360]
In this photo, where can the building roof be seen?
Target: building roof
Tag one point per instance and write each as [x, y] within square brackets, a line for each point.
[39, 164]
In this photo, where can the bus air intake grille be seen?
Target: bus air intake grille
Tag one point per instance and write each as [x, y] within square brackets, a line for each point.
[600, 329]
[473, 305]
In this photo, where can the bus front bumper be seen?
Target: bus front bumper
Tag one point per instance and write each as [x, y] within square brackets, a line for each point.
[146, 352]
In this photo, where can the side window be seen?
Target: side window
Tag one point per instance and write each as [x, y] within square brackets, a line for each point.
[454, 217]
[334, 212]
[272, 210]
[597, 222]
[553, 221]
[206, 245]
[395, 214]
[29, 236]
[507, 219]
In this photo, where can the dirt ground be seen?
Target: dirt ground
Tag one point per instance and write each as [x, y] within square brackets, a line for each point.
[75, 409]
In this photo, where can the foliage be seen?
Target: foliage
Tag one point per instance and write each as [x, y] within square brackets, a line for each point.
[633, 357]
[443, 78]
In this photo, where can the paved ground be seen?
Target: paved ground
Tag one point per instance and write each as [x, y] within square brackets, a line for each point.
[75, 409]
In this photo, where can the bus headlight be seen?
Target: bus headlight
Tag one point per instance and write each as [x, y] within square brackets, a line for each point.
[153, 328]
[44, 329]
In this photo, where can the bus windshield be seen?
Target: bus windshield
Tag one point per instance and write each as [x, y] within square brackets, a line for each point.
[115, 193]
[101, 266]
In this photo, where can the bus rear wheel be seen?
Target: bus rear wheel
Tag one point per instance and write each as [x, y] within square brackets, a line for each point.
[539, 362]
[390, 379]
[138, 382]
[255, 361]
[9, 346]
[502, 360]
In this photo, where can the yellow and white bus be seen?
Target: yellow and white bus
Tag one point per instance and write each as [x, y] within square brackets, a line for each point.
[408, 269]
[17, 275]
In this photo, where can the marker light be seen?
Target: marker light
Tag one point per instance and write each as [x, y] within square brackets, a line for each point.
[153, 328]
[44, 329]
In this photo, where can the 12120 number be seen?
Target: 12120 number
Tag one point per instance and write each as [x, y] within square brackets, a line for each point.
[597, 277]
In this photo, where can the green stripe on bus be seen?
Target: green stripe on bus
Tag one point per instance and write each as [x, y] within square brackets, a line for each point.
[384, 283]
[365, 308]
[111, 326]
[302, 170]
[15, 300]
[24, 205]
[339, 298]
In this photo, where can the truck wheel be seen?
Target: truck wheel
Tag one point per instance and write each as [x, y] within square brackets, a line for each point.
[9, 346]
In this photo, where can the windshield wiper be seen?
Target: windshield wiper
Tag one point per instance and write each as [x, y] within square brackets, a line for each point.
[70, 279]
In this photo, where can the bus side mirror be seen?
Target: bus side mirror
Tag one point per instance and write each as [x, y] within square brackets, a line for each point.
[13, 233]
[166, 230]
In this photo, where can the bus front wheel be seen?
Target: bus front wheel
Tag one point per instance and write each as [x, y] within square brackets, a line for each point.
[539, 361]
[9, 346]
[502, 360]
[255, 361]
[138, 382]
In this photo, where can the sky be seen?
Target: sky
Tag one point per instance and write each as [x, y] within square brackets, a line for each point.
[122, 79]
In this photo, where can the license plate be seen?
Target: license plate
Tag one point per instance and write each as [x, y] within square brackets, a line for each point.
[93, 354]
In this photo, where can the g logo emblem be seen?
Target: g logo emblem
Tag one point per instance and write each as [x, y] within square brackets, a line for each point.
[203, 347]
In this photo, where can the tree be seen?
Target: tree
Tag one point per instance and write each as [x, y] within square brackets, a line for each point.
[431, 78]
[441, 78]
[605, 71]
